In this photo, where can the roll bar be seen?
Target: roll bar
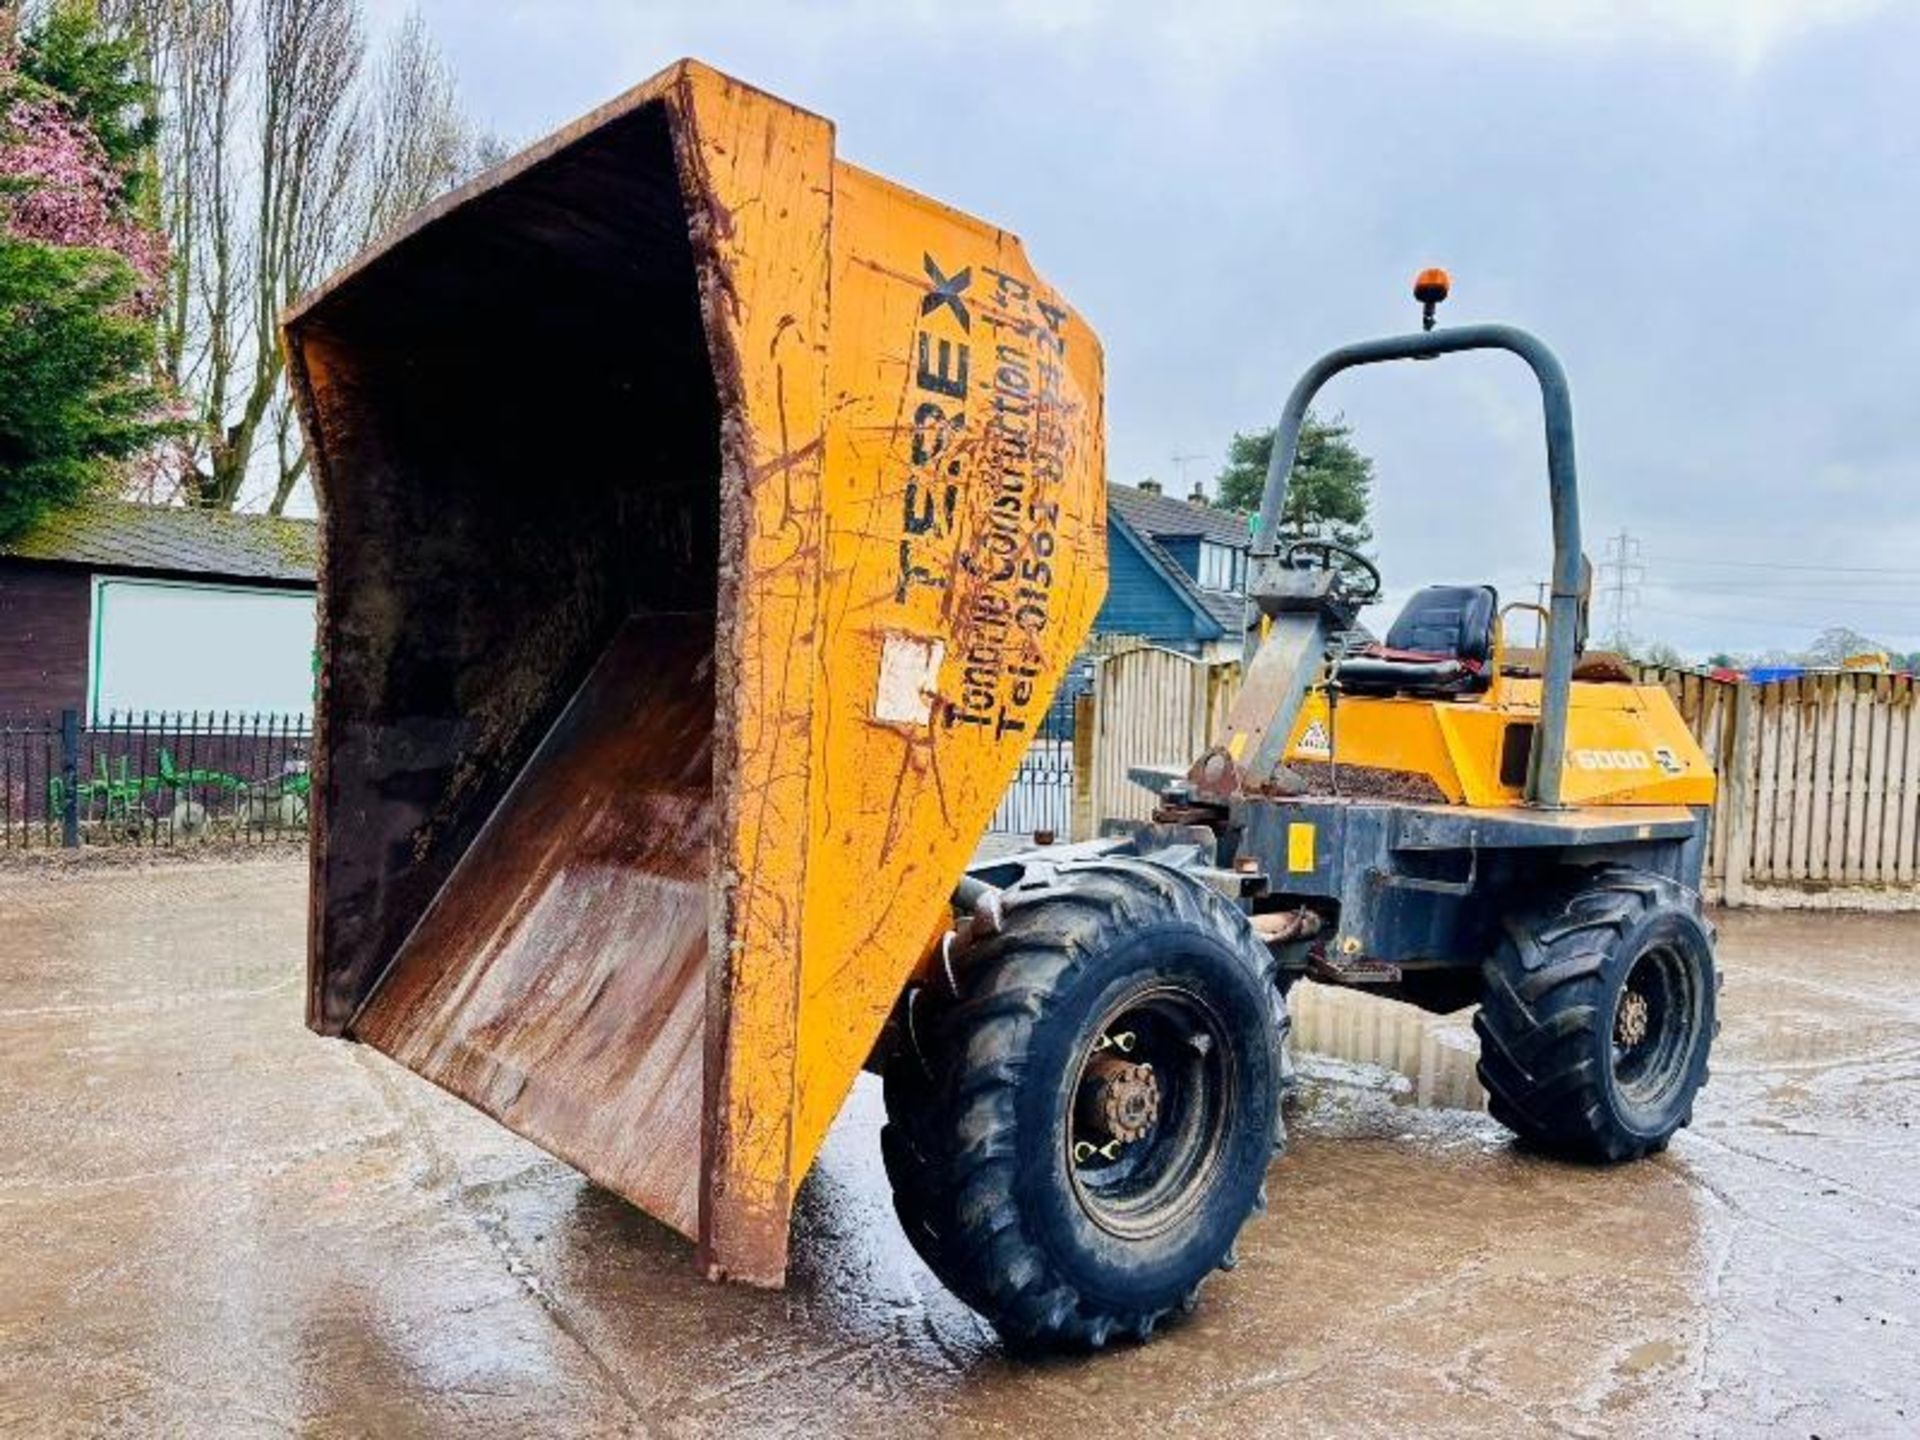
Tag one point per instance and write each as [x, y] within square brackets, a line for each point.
[1563, 620]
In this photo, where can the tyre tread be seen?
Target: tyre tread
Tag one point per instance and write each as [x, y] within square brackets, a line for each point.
[1545, 991]
[949, 1148]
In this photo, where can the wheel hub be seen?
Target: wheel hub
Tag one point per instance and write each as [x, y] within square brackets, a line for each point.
[1120, 1099]
[1147, 1114]
[1631, 1021]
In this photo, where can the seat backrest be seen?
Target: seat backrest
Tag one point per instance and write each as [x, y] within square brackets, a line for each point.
[1454, 620]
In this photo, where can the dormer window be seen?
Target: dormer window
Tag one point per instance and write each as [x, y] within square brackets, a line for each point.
[1222, 567]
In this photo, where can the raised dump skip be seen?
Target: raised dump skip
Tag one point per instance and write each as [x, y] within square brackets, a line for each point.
[706, 525]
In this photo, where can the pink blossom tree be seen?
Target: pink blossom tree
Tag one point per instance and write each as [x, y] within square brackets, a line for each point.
[81, 277]
[57, 187]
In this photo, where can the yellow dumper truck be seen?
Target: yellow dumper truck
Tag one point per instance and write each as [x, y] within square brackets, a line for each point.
[707, 523]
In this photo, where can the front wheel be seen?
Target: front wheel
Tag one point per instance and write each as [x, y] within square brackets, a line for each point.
[1076, 1142]
[1599, 1012]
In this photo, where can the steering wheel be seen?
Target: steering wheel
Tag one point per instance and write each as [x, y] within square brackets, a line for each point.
[1328, 553]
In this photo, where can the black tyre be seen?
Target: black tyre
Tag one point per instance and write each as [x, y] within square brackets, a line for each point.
[1598, 1015]
[1075, 1141]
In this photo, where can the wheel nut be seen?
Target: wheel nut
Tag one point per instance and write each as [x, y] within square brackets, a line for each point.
[1631, 1023]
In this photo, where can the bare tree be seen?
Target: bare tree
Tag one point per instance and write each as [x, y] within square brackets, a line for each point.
[1838, 644]
[420, 136]
[282, 152]
[313, 137]
[411, 141]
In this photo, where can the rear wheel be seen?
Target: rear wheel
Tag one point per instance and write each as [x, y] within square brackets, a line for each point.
[1598, 1016]
[1076, 1141]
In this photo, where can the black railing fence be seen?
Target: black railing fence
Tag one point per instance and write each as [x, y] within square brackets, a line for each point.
[1041, 796]
[152, 779]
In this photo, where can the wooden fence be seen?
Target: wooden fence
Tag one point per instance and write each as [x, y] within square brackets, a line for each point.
[1819, 800]
[1819, 786]
[1150, 707]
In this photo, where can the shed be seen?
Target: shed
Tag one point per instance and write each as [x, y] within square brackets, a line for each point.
[110, 606]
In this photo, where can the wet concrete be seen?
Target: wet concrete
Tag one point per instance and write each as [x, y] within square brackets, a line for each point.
[214, 1223]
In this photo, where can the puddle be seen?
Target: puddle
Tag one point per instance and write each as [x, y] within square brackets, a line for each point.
[1650, 1356]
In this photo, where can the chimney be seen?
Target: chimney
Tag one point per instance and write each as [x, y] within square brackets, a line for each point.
[1151, 486]
[1199, 495]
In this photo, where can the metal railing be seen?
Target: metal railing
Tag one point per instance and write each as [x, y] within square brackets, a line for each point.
[1040, 799]
[152, 779]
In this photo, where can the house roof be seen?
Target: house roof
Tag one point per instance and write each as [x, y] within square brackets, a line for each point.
[1138, 512]
[1172, 573]
[118, 535]
[1146, 517]
[1227, 607]
[1157, 515]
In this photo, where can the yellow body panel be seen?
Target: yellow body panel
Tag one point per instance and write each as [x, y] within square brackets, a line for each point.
[1626, 744]
[1300, 840]
[923, 546]
[976, 521]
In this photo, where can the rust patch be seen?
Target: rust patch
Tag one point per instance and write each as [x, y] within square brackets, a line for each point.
[1367, 782]
[507, 476]
[558, 983]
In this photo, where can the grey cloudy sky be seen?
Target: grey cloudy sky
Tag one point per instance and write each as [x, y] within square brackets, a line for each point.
[1709, 207]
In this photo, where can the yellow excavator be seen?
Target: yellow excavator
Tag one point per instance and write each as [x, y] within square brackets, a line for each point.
[706, 525]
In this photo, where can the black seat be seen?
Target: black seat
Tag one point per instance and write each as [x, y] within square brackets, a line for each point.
[1442, 644]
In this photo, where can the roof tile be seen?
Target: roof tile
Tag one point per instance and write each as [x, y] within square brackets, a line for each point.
[1158, 515]
[118, 535]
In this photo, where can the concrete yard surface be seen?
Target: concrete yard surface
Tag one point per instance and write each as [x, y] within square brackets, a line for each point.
[215, 1223]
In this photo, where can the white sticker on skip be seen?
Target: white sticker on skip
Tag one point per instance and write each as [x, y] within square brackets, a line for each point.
[909, 679]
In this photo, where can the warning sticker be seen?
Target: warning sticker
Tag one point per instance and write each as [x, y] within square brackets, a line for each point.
[1315, 740]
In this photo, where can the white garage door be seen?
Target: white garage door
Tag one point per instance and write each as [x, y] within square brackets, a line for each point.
[172, 647]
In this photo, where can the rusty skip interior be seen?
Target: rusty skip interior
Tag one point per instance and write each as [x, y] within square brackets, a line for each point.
[519, 444]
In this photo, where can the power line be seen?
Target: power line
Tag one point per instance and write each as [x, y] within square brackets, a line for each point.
[1765, 622]
[1812, 588]
[1796, 575]
[1878, 585]
[1804, 584]
[1887, 602]
[1752, 620]
[1910, 571]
